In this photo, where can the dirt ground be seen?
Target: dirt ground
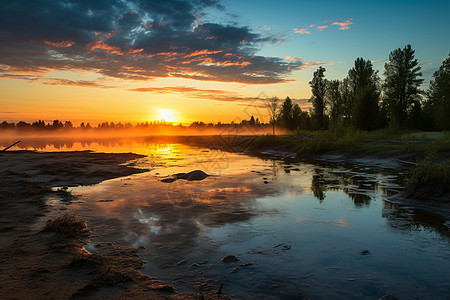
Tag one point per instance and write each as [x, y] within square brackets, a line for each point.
[37, 264]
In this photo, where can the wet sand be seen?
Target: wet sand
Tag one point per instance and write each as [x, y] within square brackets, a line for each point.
[46, 265]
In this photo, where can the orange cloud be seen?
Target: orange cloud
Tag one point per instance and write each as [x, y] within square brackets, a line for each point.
[344, 25]
[264, 27]
[203, 52]
[321, 28]
[302, 31]
[62, 44]
[292, 58]
[81, 83]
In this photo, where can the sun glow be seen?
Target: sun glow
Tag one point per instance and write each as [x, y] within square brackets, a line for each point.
[167, 115]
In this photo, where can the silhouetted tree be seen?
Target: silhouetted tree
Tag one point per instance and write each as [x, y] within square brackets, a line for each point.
[366, 114]
[57, 124]
[296, 116]
[334, 100]
[363, 82]
[402, 83]
[274, 111]
[286, 116]
[318, 88]
[362, 75]
[439, 95]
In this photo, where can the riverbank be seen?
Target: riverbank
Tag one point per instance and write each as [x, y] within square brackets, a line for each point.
[52, 263]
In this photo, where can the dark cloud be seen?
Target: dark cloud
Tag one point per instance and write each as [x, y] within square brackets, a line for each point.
[134, 39]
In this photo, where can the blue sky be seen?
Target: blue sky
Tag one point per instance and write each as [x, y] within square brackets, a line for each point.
[378, 28]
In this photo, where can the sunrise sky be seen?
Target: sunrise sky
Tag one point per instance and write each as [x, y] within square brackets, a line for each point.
[208, 60]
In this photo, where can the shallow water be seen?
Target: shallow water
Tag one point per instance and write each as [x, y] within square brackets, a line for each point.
[303, 233]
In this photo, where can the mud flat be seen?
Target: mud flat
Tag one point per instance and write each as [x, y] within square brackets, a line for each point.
[52, 263]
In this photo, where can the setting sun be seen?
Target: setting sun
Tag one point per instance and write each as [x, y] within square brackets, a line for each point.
[167, 115]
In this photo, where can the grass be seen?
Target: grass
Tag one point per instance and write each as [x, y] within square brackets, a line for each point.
[385, 141]
[430, 175]
[67, 225]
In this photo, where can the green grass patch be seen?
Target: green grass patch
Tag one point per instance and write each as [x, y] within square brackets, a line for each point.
[428, 174]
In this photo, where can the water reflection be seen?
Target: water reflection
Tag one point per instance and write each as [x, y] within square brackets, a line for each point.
[360, 187]
[302, 226]
[403, 218]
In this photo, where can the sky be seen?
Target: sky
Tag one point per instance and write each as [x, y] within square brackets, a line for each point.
[201, 60]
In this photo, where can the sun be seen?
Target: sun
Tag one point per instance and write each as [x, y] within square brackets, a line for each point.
[167, 115]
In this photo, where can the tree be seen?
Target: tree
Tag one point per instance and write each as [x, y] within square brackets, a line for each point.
[363, 83]
[362, 75]
[366, 113]
[296, 116]
[439, 95]
[334, 100]
[286, 116]
[273, 108]
[347, 97]
[402, 83]
[318, 88]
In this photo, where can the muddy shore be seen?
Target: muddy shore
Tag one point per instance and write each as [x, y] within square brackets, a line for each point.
[37, 264]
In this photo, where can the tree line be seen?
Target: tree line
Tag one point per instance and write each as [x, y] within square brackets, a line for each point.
[68, 125]
[362, 101]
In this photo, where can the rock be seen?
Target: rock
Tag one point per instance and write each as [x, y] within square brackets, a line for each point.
[195, 265]
[266, 182]
[235, 270]
[193, 175]
[265, 178]
[229, 259]
[247, 264]
[168, 180]
[286, 247]
[365, 252]
[388, 297]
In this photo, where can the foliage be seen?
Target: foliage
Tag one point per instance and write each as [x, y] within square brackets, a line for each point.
[347, 97]
[318, 88]
[286, 114]
[439, 95]
[402, 84]
[363, 81]
[428, 174]
[366, 113]
[274, 111]
[334, 100]
[362, 75]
